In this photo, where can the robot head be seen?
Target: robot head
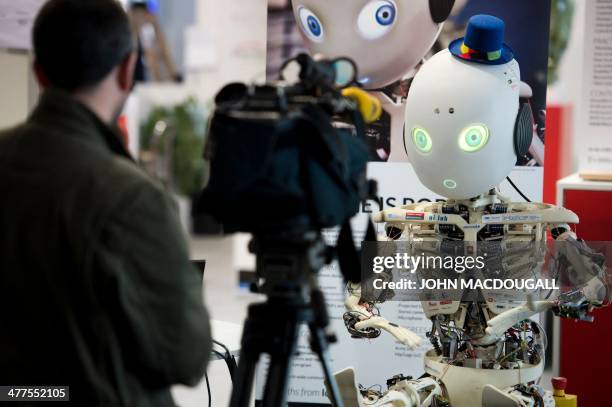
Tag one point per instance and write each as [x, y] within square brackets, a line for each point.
[386, 38]
[465, 125]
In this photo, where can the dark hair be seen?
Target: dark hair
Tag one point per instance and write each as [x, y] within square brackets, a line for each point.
[78, 42]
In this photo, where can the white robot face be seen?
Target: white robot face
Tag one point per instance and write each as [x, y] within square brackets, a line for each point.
[460, 125]
[386, 38]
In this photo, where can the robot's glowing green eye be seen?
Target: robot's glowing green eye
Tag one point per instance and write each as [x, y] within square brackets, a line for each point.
[422, 140]
[474, 138]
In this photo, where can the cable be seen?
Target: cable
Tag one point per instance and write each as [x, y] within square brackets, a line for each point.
[227, 351]
[518, 190]
[208, 389]
[219, 354]
[228, 358]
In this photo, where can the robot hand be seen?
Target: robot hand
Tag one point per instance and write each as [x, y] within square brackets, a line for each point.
[517, 396]
[402, 392]
[403, 335]
[576, 305]
[500, 324]
[362, 321]
[581, 267]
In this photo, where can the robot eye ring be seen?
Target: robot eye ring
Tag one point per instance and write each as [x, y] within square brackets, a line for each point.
[422, 140]
[450, 183]
[474, 137]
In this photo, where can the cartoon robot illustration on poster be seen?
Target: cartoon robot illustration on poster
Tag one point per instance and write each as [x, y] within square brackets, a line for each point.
[387, 39]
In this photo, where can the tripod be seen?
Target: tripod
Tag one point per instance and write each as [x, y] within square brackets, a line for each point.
[286, 269]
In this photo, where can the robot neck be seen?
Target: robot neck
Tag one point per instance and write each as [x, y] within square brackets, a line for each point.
[483, 200]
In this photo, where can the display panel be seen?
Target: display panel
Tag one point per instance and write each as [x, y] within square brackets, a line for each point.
[306, 27]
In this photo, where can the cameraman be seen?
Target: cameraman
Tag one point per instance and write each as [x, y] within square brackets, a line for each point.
[96, 288]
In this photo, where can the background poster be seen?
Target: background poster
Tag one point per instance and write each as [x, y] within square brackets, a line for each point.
[527, 26]
[527, 32]
[16, 18]
[595, 106]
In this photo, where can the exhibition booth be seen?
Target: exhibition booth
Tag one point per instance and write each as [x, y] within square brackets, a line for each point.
[323, 152]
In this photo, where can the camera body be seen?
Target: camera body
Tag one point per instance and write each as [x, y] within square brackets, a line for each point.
[278, 162]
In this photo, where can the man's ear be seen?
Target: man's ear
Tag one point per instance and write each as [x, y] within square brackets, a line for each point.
[125, 78]
[43, 82]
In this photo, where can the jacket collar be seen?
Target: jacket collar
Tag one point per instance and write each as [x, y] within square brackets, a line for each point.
[64, 115]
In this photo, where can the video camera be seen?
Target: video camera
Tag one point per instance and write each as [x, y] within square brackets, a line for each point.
[289, 157]
[286, 161]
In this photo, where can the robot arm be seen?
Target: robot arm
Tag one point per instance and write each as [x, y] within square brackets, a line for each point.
[363, 321]
[582, 268]
[403, 335]
[585, 271]
[500, 324]
[402, 392]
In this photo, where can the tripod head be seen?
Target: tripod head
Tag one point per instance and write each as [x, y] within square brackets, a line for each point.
[287, 264]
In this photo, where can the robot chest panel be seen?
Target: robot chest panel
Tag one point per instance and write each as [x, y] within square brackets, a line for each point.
[481, 225]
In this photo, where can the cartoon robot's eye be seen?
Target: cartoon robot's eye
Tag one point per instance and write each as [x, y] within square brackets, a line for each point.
[474, 138]
[377, 18]
[422, 140]
[311, 25]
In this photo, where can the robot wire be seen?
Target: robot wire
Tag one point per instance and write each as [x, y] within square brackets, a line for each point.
[518, 190]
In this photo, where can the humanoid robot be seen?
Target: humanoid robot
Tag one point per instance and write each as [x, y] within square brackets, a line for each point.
[386, 38]
[465, 129]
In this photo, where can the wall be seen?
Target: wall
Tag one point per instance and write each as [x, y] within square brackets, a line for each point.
[567, 91]
[174, 20]
[18, 89]
[238, 30]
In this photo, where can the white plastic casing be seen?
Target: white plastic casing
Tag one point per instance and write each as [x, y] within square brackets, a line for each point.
[447, 96]
[349, 28]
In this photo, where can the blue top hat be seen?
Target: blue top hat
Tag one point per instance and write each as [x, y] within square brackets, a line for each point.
[483, 42]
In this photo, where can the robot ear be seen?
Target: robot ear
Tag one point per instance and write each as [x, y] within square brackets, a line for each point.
[523, 130]
[440, 9]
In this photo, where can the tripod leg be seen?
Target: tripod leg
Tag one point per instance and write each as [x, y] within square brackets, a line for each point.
[275, 394]
[245, 375]
[319, 345]
[286, 335]
[252, 346]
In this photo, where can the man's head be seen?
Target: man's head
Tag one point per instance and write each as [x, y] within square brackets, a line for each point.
[86, 48]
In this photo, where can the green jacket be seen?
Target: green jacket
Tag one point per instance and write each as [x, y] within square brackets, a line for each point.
[96, 288]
